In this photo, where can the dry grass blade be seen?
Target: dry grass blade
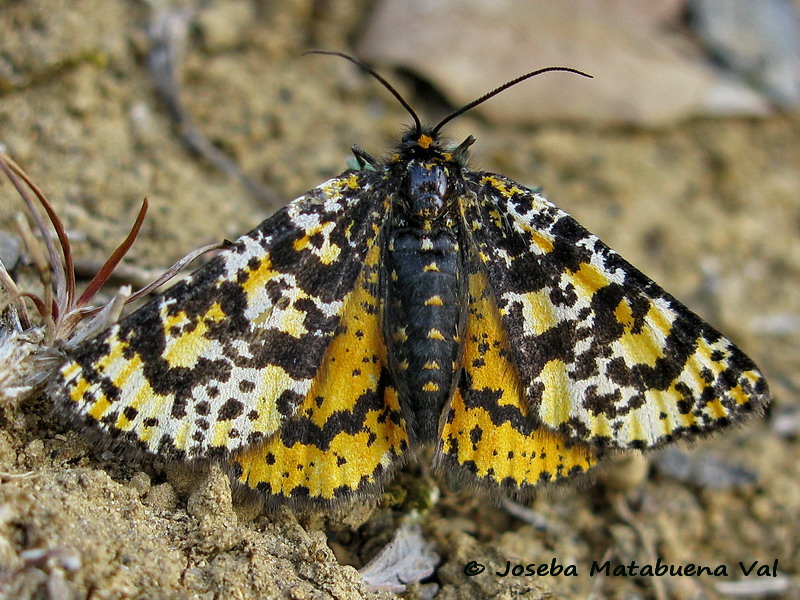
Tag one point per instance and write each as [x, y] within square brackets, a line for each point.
[108, 267]
[63, 272]
[48, 309]
[14, 297]
[175, 269]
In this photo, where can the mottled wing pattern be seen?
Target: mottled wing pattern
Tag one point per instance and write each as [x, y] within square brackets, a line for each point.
[223, 358]
[348, 434]
[604, 356]
[489, 429]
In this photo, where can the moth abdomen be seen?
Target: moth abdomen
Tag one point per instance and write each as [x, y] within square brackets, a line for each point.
[423, 321]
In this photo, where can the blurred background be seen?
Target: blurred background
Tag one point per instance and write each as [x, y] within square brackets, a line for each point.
[683, 153]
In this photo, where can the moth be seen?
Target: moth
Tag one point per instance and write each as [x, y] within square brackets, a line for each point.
[409, 302]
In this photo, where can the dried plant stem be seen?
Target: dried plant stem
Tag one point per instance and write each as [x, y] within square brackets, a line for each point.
[105, 271]
[63, 271]
[40, 262]
[14, 296]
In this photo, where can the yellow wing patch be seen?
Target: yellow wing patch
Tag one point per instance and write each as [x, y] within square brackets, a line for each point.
[490, 428]
[348, 433]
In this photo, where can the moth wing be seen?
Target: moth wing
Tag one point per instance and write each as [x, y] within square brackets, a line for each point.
[225, 357]
[603, 354]
[348, 435]
[489, 431]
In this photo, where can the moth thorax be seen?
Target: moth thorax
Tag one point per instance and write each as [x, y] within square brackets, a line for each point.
[426, 189]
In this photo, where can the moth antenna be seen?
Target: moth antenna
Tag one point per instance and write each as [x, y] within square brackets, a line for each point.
[371, 71]
[502, 88]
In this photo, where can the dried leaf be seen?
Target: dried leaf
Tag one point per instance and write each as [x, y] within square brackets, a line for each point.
[407, 559]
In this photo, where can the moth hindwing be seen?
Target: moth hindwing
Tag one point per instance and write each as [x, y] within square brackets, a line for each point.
[412, 302]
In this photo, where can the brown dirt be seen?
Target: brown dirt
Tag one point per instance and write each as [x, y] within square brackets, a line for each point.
[709, 209]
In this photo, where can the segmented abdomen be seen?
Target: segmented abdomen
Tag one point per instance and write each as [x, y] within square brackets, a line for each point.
[423, 321]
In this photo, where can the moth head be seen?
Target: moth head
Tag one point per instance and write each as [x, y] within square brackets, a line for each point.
[430, 171]
[426, 144]
[427, 188]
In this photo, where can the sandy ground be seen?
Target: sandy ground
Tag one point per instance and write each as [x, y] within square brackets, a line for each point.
[709, 209]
